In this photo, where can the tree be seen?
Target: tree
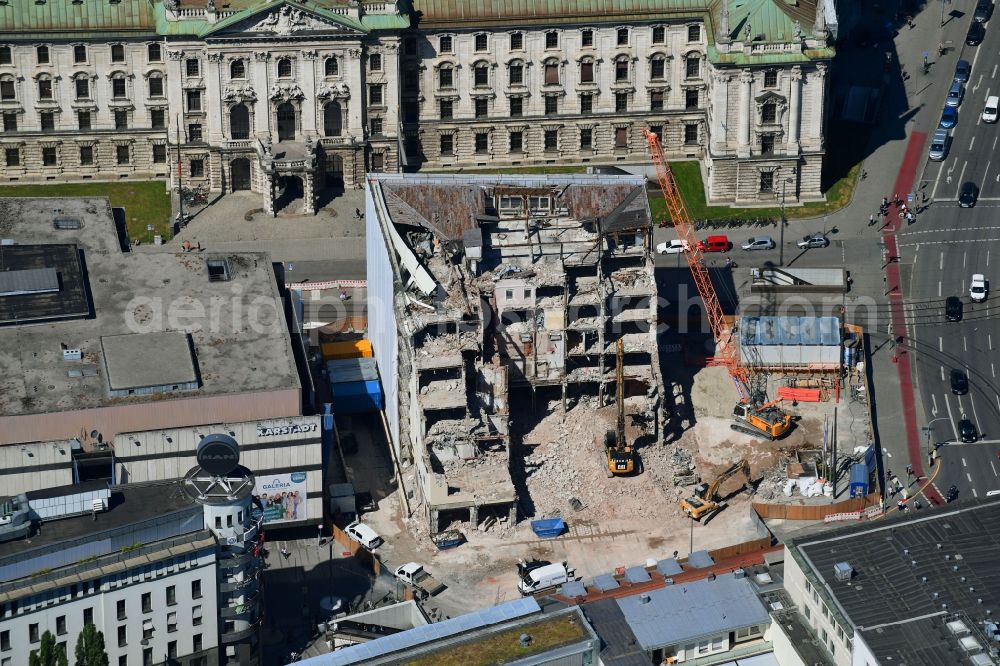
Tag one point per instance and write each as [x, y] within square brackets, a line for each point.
[90, 649]
[48, 653]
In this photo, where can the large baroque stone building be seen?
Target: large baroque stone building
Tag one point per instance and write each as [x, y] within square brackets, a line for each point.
[286, 97]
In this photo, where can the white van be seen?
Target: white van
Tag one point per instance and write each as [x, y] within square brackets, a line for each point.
[364, 535]
[544, 578]
[990, 111]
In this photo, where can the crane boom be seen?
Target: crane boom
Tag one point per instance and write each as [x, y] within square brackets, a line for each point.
[620, 398]
[726, 349]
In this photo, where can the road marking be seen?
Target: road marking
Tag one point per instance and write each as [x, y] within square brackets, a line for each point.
[951, 230]
[961, 176]
[965, 343]
[974, 493]
[998, 402]
[939, 290]
[942, 373]
[968, 476]
[941, 261]
[989, 337]
[951, 419]
[992, 76]
[987, 257]
[964, 464]
[992, 369]
[965, 256]
[973, 142]
[974, 414]
[994, 469]
[948, 242]
[987, 172]
[934, 409]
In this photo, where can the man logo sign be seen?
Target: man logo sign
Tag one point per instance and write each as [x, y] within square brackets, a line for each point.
[218, 454]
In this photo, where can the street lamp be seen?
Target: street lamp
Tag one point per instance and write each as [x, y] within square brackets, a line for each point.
[784, 222]
[928, 430]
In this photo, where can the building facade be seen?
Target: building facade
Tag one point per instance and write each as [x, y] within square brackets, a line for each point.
[289, 98]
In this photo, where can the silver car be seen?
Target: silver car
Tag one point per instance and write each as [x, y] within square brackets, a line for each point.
[759, 243]
[813, 240]
[955, 94]
[939, 145]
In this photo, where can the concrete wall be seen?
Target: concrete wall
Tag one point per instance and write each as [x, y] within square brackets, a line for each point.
[784, 653]
[111, 420]
[812, 606]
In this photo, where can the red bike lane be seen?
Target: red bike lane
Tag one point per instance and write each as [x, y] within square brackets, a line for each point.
[904, 184]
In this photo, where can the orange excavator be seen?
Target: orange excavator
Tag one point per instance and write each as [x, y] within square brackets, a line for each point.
[753, 415]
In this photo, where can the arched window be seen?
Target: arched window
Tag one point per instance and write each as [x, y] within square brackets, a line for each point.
[154, 53]
[446, 75]
[238, 69]
[333, 119]
[284, 68]
[239, 122]
[481, 74]
[331, 67]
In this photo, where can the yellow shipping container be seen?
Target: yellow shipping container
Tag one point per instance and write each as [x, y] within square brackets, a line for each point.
[336, 351]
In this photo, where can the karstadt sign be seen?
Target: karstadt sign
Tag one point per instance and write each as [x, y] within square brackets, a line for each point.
[287, 429]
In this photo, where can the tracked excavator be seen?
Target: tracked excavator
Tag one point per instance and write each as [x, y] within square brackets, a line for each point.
[620, 455]
[766, 420]
[705, 500]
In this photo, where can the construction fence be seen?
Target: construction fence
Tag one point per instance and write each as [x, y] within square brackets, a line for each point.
[814, 511]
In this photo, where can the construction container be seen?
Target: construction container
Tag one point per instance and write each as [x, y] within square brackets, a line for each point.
[334, 351]
[352, 370]
[356, 397]
[859, 479]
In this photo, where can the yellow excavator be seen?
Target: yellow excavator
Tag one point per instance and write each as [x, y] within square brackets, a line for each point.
[765, 421]
[621, 457]
[705, 500]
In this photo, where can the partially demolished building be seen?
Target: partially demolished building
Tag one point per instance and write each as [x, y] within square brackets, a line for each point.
[483, 286]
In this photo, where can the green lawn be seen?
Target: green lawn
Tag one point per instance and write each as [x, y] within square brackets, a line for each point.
[145, 202]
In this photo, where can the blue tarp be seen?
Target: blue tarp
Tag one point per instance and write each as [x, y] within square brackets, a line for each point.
[805, 331]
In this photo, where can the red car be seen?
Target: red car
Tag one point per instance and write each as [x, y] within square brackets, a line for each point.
[715, 244]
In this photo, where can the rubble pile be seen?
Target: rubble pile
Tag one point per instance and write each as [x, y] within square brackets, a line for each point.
[772, 481]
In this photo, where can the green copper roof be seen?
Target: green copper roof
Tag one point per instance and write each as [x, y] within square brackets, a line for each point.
[63, 16]
[456, 11]
[769, 20]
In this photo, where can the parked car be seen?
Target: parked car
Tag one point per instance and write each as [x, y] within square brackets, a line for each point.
[544, 578]
[968, 195]
[959, 381]
[967, 431]
[955, 94]
[990, 109]
[953, 308]
[939, 145]
[978, 288]
[715, 244]
[675, 246]
[984, 10]
[758, 243]
[364, 535]
[976, 34]
[963, 70]
[813, 240]
[949, 118]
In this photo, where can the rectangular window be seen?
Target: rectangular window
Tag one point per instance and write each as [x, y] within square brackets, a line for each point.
[7, 91]
[121, 609]
[86, 159]
[516, 41]
[171, 622]
[622, 36]
[375, 126]
[82, 88]
[551, 105]
[446, 107]
[153, 53]
[156, 86]
[194, 100]
[551, 139]
[692, 68]
[481, 75]
[194, 132]
[196, 615]
[48, 121]
[158, 118]
[196, 644]
[691, 98]
[118, 88]
[13, 157]
[767, 148]
[376, 95]
[694, 33]
[83, 119]
[768, 113]
[33, 632]
[691, 133]
[481, 107]
[516, 142]
[122, 636]
[123, 660]
[5, 640]
[767, 185]
[147, 602]
[444, 44]
[586, 103]
[659, 35]
[586, 138]
[516, 107]
[79, 53]
[45, 89]
[551, 74]
[657, 68]
[447, 144]
[172, 650]
[375, 62]
[771, 78]
[121, 119]
[117, 53]
[586, 72]
[656, 100]
[42, 54]
[621, 102]
[446, 77]
[121, 154]
[171, 595]
[378, 161]
[192, 67]
[516, 75]
[147, 657]
[196, 589]
[621, 137]
[482, 143]
[621, 69]
[5, 55]
[481, 42]
[10, 122]
[159, 154]
[60, 625]
[552, 40]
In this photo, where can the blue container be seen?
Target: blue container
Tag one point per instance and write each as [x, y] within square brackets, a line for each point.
[859, 480]
[548, 528]
[356, 397]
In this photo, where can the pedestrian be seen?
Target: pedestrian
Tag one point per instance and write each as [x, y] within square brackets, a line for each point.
[343, 294]
[896, 200]
[864, 174]
[885, 202]
[284, 551]
[909, 470]
[871, 220]
[930, 458]
[357, 213]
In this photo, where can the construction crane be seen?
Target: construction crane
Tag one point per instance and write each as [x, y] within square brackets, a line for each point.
[767, 422]
[705, 500]
[621, 457]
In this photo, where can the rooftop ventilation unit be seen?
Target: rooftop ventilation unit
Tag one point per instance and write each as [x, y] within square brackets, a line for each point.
[67, 223]
[218, 270]
[842, 572]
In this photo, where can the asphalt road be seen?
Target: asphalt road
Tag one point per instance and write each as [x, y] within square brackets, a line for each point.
[942, 251]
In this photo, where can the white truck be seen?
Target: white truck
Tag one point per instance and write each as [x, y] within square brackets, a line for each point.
[978, 288]
[544, 578]
[414, 574]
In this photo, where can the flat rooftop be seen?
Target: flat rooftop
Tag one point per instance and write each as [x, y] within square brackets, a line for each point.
[236, 327]
[41, 282]
[912, 574]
